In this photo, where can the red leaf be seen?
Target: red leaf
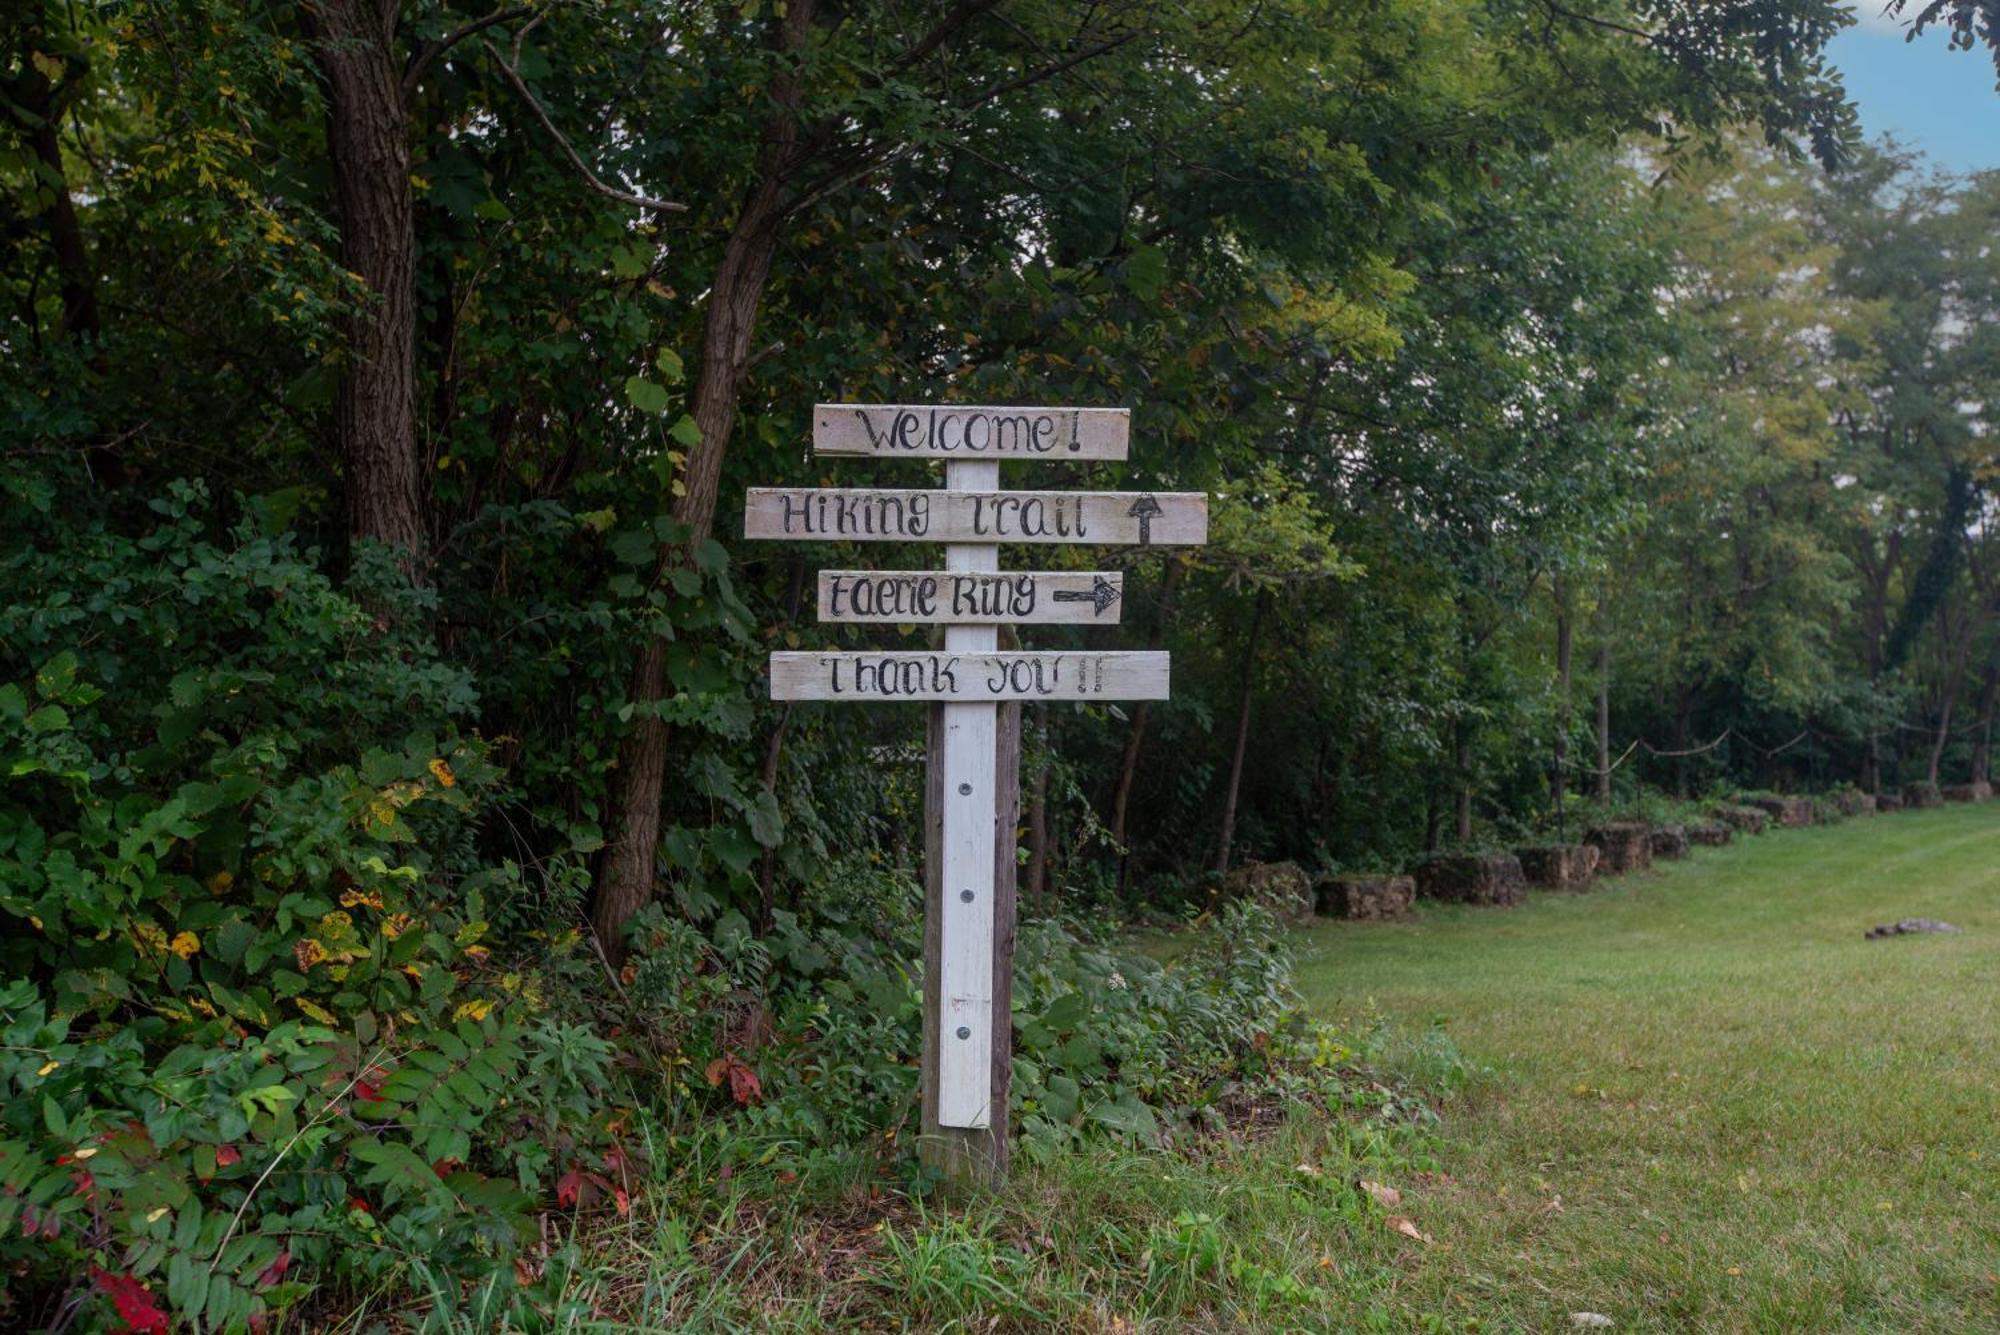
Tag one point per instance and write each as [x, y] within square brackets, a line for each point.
[226, 1155]
[366, 1092]
[133, 1301]
[621, 1200]
[567, 1187]
[275, 1272]
[744, 1086]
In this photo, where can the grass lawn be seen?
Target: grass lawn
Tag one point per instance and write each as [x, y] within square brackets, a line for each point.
[1707, 1104]
[1712, 1105]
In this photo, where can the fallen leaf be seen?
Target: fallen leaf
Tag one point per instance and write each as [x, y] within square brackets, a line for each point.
[1590, 1320]
[1406, 1228]
[1386, 1197]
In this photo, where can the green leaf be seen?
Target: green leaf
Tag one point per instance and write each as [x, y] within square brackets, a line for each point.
[685, 431]
[57, 675]
[644, 395]
[47, 719]
[670, 366]
[633, 547]
[1146, 272]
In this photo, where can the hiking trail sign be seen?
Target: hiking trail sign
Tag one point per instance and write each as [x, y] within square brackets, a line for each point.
[973, 688]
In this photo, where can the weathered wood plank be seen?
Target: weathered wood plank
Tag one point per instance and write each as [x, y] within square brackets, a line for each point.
[866, 677]
[955, 431]
[863, 514]
[936, 597]
[968, 743]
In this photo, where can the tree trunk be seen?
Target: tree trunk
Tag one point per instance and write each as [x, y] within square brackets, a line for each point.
[1953, 679]
[37, 112]
[625, 878]
[1038, 816]
[1135, 739]
[1461, 760]
[1235, 786]
[375, 407]
[1982, 736]
[1604, 723]
[1683, 719]
[1559, 778]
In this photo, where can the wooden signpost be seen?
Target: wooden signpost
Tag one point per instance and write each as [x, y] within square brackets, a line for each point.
[973, 687]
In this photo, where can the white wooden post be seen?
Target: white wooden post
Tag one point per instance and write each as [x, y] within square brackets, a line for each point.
[965, 956]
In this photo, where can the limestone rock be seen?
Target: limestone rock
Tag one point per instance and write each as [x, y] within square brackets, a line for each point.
[1559, 866]
[1366, 898]
[1967, 792]
[1625, 845]
[1280, 887]
[1743, 820]
[1786, 811]
[1473, 878]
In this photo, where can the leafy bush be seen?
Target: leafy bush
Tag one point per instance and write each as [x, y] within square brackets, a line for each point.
[253, 1028]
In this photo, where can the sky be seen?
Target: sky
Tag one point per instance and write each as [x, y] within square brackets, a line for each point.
[1930, 97]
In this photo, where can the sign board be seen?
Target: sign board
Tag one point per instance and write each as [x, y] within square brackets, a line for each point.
[899, 431]
[969, 684]
[856, 514]
[941, 597]
[1140, 675]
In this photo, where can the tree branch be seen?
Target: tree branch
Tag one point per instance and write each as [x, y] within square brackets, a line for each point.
[590, 178]
[424, 59]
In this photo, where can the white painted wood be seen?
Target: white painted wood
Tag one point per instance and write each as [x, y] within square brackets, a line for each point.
[955, 431]
[868, 677]
[965, 966]
[868, 514]
[936, 597]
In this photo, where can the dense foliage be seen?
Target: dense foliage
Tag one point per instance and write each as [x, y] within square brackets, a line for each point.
[395, 835]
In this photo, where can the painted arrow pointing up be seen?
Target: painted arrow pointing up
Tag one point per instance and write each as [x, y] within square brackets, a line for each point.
[1143, 510]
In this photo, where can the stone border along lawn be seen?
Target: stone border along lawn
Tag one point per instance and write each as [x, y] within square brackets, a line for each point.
[1713, 1105]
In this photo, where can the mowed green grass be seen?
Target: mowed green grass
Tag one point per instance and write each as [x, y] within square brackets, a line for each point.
[1713, 1105]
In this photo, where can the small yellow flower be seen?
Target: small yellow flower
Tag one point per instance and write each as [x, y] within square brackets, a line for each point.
[442, 772]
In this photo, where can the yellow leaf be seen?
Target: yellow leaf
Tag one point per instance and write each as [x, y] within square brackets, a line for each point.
[47, 1067]
[157, 1215]
[221, 881]
[442, 772]
[315, 1011]
[472, 1010]
[186, 944]
[88, 1151]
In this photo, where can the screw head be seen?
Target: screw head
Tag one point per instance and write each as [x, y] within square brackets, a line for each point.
[964, 1031]
[965, 790]
[965, 896]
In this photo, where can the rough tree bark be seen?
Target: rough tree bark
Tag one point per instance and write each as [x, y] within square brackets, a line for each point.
[1982, 734]
[375, 405]
[625, 877]
[1559, 777]
[35, 105]
[1235, 786]
[1603, 787]
[1954, 678]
